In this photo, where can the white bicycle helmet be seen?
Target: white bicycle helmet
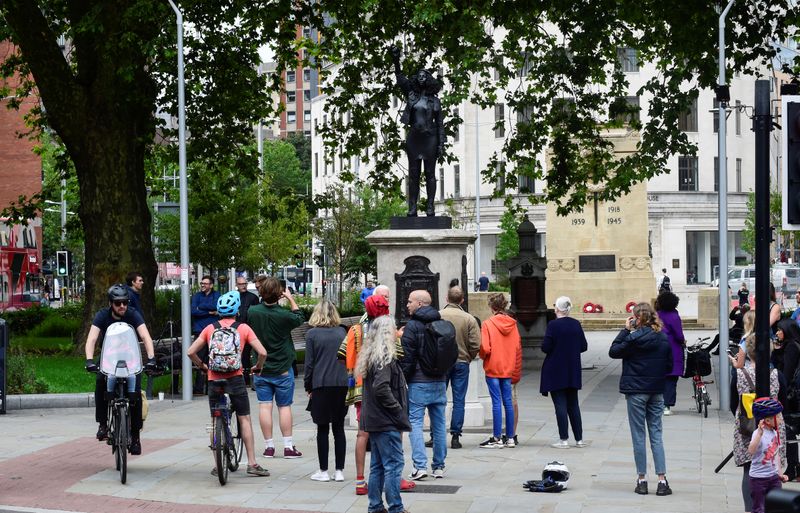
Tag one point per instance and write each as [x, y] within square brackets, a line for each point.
[558, 472]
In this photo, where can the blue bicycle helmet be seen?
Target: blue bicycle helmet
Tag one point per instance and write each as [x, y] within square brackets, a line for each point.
[764, 407]
[228, 304]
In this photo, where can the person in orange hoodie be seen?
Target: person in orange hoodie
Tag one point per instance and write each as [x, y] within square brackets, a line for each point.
[501, 352]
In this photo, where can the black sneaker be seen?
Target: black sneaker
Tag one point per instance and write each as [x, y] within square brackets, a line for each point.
[429, 443]
[641, 487]
[135, 447]
[492, 443]
[663, 488]
[454, 443]
[516, 442]
[102, 432]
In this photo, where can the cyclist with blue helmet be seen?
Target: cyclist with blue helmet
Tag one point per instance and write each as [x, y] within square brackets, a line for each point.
[217, 338]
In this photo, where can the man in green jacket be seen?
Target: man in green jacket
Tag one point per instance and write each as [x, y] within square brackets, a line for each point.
[273, 325]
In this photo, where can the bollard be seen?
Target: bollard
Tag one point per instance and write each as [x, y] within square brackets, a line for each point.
[782, 501]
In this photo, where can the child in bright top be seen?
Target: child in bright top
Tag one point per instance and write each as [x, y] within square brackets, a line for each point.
[765, 467]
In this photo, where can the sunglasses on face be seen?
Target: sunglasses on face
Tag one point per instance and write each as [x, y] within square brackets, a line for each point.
[120, 303]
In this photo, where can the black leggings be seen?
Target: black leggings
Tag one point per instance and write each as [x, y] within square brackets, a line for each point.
[339, 444]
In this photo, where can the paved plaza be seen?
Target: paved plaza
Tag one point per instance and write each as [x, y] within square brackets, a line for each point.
[49, 460]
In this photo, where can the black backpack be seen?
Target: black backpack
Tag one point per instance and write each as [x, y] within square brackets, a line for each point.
[439, 350]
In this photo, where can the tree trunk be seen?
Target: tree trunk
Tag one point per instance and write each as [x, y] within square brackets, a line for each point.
[115, 217]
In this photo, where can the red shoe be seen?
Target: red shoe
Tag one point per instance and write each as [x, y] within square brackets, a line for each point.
[406, 485]
[361, 488]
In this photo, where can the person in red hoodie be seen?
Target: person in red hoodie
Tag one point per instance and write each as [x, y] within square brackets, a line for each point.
[501, 352]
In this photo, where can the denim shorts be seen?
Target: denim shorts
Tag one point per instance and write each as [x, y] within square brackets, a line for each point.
[279, 387]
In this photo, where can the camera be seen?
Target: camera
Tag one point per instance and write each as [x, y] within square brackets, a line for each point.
[733, 350]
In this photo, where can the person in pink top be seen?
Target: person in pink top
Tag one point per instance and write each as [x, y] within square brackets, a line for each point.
[227, 307]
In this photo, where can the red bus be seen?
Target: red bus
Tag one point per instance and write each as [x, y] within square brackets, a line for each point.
[20, 265]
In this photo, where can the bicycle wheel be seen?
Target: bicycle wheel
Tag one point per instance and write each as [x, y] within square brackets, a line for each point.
[235, 444]
[121, 442]
[219, 445]
[698, 398]
[706, 402]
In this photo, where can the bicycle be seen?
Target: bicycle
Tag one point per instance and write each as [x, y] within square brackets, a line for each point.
[698, 365]
[226, 437]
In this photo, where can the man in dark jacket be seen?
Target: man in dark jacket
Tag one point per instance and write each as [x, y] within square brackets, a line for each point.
[247, 299]
[424, 391]
[646, 360]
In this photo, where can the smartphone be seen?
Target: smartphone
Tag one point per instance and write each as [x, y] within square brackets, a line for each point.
[283, 284]
[632, 322]
[733, 350]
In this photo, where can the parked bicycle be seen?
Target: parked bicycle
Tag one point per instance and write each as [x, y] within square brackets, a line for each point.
[226, 437]
[698, 365]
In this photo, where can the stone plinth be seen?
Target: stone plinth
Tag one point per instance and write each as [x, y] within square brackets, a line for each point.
[444, 249]
[708, 307]
[601, 255]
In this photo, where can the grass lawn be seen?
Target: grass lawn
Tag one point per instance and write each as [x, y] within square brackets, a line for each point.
[63, 373]
[41, 343]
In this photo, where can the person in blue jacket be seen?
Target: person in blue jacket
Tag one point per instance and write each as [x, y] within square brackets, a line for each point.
[646, 360]
[367, 291]
[563, 343]
[204, 312]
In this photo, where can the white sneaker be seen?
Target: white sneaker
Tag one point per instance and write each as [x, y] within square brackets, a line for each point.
[320, 475]
[667, 411]
[580, 444]
[338, 476]
[561, 444]
[438, 473]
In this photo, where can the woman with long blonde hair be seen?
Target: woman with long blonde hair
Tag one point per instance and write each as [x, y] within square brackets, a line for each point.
[384, 412]
[325, 380]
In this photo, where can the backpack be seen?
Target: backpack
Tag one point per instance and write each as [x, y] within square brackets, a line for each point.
[224, 353]
[439, 350]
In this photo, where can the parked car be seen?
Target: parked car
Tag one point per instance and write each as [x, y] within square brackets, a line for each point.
[785, 278]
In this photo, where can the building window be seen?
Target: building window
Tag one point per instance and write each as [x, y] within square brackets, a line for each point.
[456, 114]
[738, 175]
[526, 184]
[500, 184]
[316, 164]
[291, 116]
[716, 174]
[306, 75]
[291, 96]
[441, 184]
[290, 76]
[307, 32]
[457, 181]
[307, 95]
[527, 64]
[628, 60]
[307, 133]
[629, 117]
[687, 173]
[306, 115]
[496, 74]
[738, 118]
[716, 116]
[687, 121]
[499, 119]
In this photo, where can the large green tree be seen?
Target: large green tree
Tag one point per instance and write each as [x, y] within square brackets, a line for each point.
[558, 65]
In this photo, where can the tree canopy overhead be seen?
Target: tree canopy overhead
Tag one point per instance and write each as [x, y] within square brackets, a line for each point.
[102, 90]
[557, 64]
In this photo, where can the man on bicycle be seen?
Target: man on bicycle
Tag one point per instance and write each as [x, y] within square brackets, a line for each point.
[227, 307]
[117, 311]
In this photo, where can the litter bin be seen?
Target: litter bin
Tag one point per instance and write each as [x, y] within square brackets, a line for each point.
[3, 357]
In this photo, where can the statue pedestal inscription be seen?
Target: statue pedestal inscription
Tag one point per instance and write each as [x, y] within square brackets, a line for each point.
[601, 255]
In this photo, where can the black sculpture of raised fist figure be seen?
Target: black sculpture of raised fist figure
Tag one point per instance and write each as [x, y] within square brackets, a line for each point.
[422, 115]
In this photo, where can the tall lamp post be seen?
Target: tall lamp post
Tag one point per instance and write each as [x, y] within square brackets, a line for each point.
[723, 97]
[186, 317]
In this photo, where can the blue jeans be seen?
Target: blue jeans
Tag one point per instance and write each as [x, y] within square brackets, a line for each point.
[111, 384]
[670, 390]
[434, 397]
[500, 392]
[458, 378]
[385, 471]
[646, 408]
[567, 407]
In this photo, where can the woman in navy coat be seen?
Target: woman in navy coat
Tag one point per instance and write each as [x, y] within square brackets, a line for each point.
[563, 343]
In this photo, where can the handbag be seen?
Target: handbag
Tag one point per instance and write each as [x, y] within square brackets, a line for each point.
[747, 424]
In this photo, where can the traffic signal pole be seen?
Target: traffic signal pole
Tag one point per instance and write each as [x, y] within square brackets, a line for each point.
[762, 126]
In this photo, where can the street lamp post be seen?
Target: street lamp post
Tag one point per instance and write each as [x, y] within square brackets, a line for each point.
[184, 217]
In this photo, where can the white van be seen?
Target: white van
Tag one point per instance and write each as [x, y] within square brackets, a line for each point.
[785, 278]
